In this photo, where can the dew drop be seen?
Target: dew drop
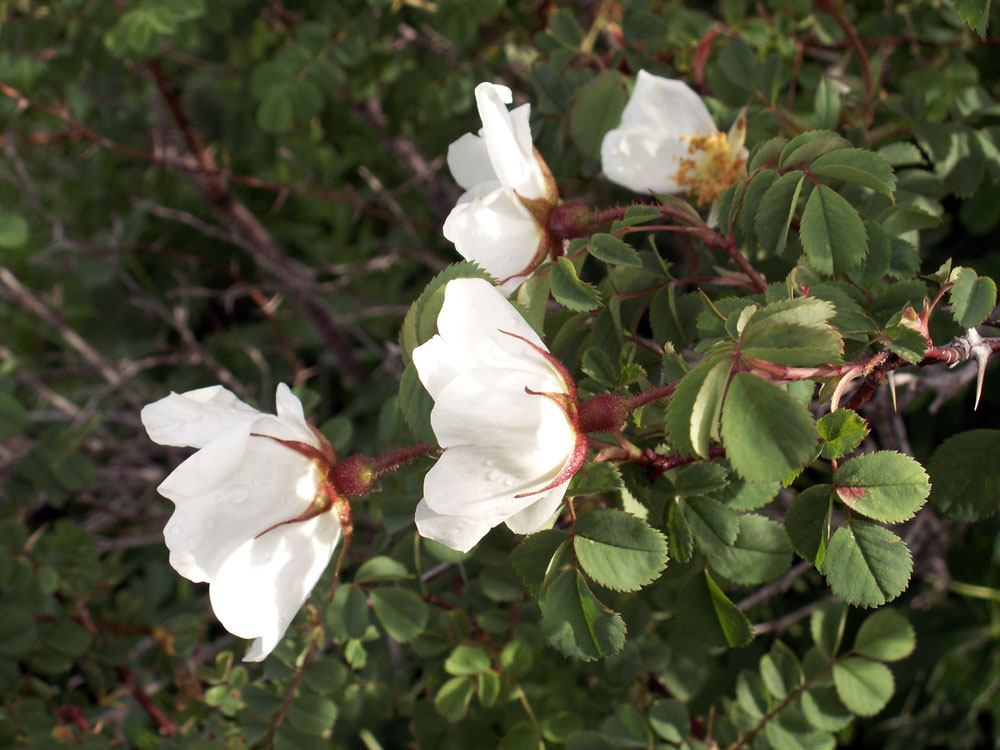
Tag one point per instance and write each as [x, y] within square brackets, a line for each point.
[492, 475]
[235, 494]
[173, 531]
[508, 482]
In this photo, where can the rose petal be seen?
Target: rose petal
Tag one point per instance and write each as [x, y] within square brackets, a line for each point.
[227, 493]
[469, 162]
[460, 533]
[262, 583]
[195, 418]
[511, 154]
[537, 515]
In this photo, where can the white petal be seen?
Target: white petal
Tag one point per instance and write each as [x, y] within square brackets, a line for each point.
[460, 533]
[195, 418]
[512, 158]
[227, 493]
[262, 583]
[481, 483]
[472, 316]
[289, 408]
[469, 161]
[436, 365]
[489, 407]
[539, 514]
[495, 231]
[667, 105]
[642, 159]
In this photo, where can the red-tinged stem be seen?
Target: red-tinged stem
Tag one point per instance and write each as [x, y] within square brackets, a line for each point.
[166, 726]
[657, 465]
[836, 9]
[389, 462]
[783, 372]
[650, 396]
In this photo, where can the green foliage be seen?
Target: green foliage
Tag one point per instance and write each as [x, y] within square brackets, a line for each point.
[576, 623]
[964, 477]
[618, 550]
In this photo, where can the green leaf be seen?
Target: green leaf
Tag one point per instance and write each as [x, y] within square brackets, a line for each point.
[973, 298]
[752, 694]
[276, 112]
[864, 686]
[976, 13]
[669, 719]
[859, 166]
[693, 410]
[822, 708]
[402, 613]
[776, 209]
[708, 614]
[565, 28]
[826, 624]
[347, 615]
[596, 108]
[885, 635]
[867, 565]
[807, 523]
[570, 291]
[416, 404]
[18, 632]
[681, 536]
[488, 687]
[794, 333]
[532, 557]
[711, 524]
[767, 152]
[312, 714]
[965, 475]
[594, 478]
[781, 671]
[452, 698]
[805, 147]
[885, 486]
[760, 553]
[826, 104]
[13, 230]
[521, 736]
[516, 658]
[618, 550]
[467, 659]
[744, 495]
[840, 432]
[13, 417]
[700, 479]
[612, 250]
[575, 623]
[752, 197]
[381, 568]
[833, 235]
[768, 435]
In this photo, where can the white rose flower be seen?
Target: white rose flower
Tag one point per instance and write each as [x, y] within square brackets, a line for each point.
[505, 413]
[497, 168]
[667, 142]
[233, 499]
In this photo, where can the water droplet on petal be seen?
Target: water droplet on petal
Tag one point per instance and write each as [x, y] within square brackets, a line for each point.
[173, 531]
[490, 462]
[492, 475]
[508, 482]
[235, 494]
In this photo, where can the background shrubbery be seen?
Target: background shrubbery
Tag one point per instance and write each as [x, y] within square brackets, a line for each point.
[244, 193]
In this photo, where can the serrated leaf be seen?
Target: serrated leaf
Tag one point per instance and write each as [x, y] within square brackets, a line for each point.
[767, 152]
[693, 410]
[807, 523]
[594, 478]
[826, 624]
[976, 13]
[402, 613]
[768, 435]
[618, 550]
[575, 623]
[752, 197]
[867, 565]
[569, 290]
[699, 479]
[531, 558]
[612, 250]
[709, 615]
[712, 525]
[808, 146]
[826, 104]
[973, 298]
[885, 486]
[681, 538]
[744, 495]
[794, 333]
[840, 432]
[859, 166]
[776, 210]
[965, 475]
[885, 635]
[312, 714]
[832, 234]
[416, 404]
[760, 552]
[864, 686]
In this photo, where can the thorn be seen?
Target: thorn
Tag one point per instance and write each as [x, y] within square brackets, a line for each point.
[981, 353]
[892, 389]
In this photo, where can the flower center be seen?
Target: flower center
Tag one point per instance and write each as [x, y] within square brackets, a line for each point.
[711, 167]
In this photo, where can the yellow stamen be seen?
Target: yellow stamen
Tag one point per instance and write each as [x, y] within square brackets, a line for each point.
[710, 168]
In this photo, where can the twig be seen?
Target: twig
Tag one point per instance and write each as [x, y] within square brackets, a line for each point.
[167, 727]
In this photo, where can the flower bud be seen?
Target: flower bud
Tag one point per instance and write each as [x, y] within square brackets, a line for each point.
[604, 412]
[355, 475]
[570, 220]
